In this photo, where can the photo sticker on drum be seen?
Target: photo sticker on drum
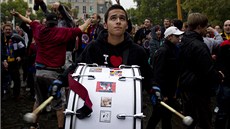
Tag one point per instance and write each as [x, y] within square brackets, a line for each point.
[109, 87]
[95, 69]
[106, 101]
[114, 72]
[105, 116]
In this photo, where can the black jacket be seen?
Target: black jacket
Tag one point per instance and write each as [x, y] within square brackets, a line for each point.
[140, 35]
[165, 68]
[95, 51]
[17, 41]
[197, 72]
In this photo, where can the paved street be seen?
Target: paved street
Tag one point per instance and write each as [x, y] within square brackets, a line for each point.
[12, 113]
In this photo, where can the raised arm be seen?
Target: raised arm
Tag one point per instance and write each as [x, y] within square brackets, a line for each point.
[118, 2]
[64, 13]
[23, 18]
[85, 25]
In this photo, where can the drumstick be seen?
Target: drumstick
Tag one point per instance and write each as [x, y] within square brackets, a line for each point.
[187, 120]
[31, 117]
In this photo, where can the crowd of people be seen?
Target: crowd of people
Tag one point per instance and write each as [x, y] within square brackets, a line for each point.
[187, 61]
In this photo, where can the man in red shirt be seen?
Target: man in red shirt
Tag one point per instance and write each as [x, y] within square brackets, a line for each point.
[51, 47]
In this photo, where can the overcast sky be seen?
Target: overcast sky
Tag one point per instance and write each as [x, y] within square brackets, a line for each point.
[126, 3]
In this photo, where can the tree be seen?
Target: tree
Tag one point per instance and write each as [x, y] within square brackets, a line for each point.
[18, 5]
[132, 14]
[21, 7]
[157, 10]
[214, 9]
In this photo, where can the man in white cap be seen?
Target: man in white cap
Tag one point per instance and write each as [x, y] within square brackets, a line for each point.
[165, 70]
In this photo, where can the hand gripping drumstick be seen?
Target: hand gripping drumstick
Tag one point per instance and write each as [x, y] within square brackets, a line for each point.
[31, 117]
[187, 120]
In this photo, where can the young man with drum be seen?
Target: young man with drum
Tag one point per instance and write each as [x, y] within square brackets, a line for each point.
[113, 47]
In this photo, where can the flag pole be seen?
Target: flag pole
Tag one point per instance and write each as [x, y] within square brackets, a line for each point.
[179, 13]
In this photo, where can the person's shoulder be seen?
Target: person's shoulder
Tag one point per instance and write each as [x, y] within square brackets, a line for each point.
[34, 23]
[225, 43]
[137, 47]
[67, 29]
[93, 44]
[140, 30]
[162, 50]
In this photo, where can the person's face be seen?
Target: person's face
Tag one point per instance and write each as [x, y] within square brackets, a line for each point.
[94, 19]
[158, 33]
[218, 29]
[167, 23]
[227, 26]
[116, 22]
[17, 28]
[174, 39]
[7, 31]
[147, 23]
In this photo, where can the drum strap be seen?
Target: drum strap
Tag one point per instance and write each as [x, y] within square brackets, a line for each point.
[125, 56]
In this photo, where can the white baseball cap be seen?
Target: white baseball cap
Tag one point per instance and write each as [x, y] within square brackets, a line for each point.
[172, 30]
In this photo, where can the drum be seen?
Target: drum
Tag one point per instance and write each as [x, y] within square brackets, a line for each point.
[116, 96]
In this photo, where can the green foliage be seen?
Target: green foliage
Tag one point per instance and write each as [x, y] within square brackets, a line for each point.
[75, 13]
[216, 10]
[157, 10]
[21, 7]
[17, 5]
[39, 15]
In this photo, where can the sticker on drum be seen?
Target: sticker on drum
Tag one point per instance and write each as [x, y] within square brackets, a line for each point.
[96, 69]
[117, 73]
[105, 116]
[106, 101]
[109, 87]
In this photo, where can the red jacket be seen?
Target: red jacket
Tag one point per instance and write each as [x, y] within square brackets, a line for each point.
[51, 43]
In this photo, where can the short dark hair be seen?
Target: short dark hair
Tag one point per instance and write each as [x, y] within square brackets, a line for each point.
[177, 23]
[148, 18]
[115, 6]
[196, 19]
[7, 24]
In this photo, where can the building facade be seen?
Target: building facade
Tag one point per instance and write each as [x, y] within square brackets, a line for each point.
[87, 6]
[82, 6]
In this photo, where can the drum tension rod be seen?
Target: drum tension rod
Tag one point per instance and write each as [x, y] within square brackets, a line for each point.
[124, 78]
[90, 77]
[138, 116]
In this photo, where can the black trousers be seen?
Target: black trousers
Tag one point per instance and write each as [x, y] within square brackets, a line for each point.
[160, 113]
[13, 68]
[223, 103]
[199, 108]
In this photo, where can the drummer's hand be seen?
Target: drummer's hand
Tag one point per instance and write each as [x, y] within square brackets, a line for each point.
[54, 89]
[155, 95]
[83, 112]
